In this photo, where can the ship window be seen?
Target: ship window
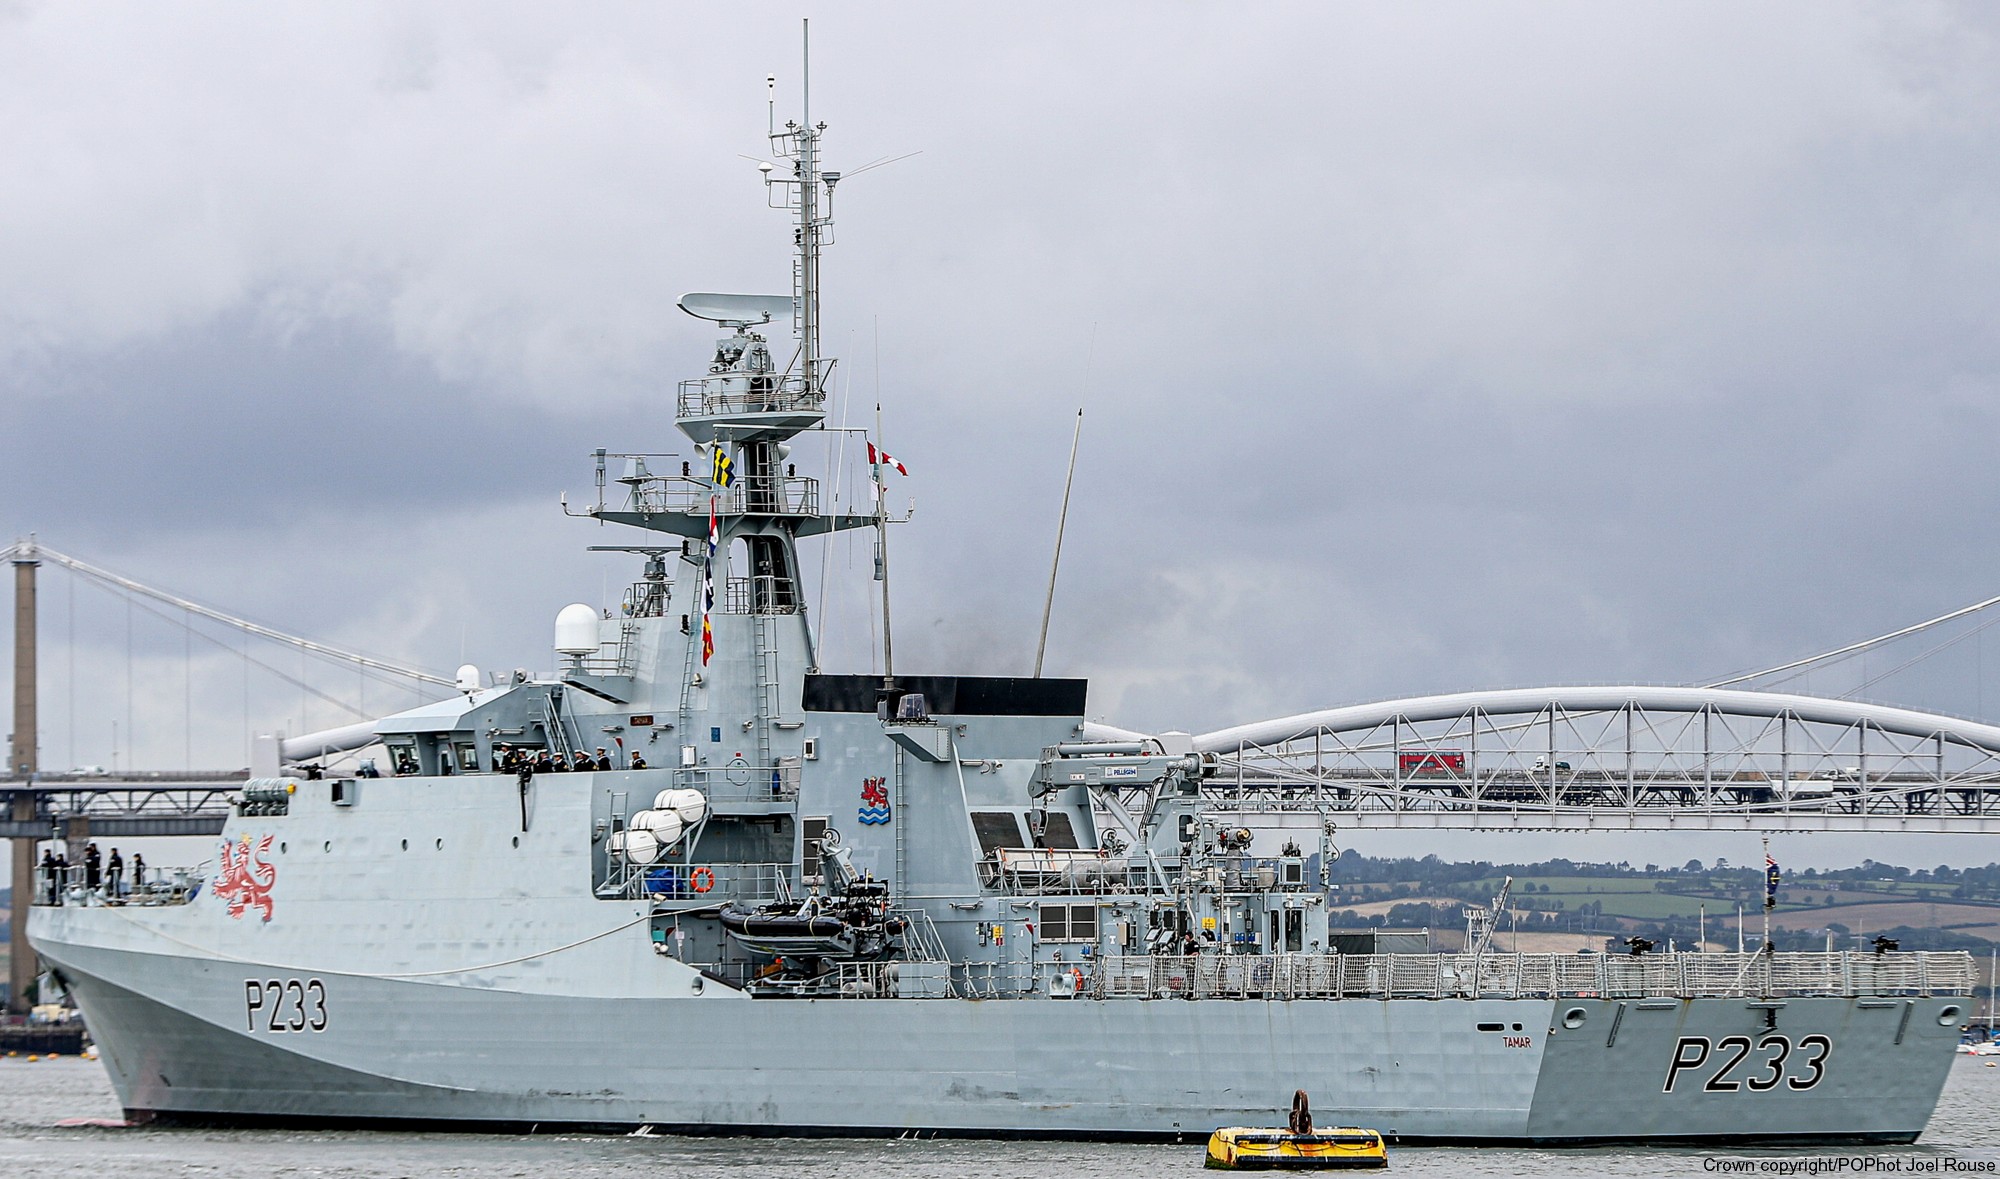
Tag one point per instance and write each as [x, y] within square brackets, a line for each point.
[996, 829]
[468, 757]
[1057, 831]
[1068, 923]
[1492, 1027]
[403, 757]
[811, 831]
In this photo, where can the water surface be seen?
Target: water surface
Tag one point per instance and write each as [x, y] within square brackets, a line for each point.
[34, 1097]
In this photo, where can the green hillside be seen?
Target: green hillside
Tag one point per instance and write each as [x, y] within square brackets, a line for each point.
[1941, 907]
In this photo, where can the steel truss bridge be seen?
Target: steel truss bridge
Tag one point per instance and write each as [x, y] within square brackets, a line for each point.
[150, 804]
[1629, 758]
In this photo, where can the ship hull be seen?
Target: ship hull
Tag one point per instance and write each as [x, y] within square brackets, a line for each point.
[180, 1044]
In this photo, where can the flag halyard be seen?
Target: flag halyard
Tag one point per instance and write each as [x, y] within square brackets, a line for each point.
[708, 572]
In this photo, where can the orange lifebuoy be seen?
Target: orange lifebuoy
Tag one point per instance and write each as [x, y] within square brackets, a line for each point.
[702, 879]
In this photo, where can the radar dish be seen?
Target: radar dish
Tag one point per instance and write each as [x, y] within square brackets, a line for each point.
[737, 310]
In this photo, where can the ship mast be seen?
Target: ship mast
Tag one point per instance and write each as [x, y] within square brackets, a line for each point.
[799, 143]
[748, 502]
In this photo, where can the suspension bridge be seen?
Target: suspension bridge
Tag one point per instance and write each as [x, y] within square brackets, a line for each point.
[124, 802]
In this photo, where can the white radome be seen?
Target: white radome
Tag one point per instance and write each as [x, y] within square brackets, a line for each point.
[576, 630]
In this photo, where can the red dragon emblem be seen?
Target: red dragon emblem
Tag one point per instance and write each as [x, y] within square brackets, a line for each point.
[245, 879]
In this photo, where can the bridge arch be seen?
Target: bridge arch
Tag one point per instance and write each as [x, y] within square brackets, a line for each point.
[1620, 756]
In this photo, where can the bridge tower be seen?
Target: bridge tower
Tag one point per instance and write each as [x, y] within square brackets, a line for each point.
[22, 764]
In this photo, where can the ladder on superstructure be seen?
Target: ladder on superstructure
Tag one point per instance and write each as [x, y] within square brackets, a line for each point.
[898, 823]
[693, 638]
[557, 729]
[770, 700]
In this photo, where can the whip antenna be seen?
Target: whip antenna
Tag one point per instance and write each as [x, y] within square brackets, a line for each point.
[1062, 522]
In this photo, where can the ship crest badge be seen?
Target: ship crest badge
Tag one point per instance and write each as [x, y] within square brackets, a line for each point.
[874, 801]
[245, 878]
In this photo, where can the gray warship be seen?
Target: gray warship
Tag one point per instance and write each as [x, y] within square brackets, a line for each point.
[759, 897]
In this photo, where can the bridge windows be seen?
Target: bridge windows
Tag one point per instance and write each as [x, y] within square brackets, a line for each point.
[403, 756]
[1056, 831]
[995, 830]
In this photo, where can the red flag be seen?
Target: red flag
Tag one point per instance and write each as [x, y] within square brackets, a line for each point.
[881, 458]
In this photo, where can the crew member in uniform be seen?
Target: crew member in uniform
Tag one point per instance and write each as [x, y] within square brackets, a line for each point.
[603, 761]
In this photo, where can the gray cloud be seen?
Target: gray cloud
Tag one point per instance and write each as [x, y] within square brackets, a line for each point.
[1421, 348]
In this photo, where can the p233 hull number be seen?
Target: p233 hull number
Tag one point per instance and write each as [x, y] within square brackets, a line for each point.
[284, 1005]
[1748, 1065]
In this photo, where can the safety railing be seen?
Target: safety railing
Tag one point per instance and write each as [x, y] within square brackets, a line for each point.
[993, 980]
[147, 886]
[733, 393]
[755, 495]
[867, 980]
[740, 782]
[679, 885]
[1441, 976]
[1047, 872]
[763, 594]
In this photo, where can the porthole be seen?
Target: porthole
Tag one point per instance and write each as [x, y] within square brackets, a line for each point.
[1951, 1014]
[440, 845]
[327, 846]
[406, 845]
[281, 847]
[1574, 1017]
[1517, 1027]
[517, 841]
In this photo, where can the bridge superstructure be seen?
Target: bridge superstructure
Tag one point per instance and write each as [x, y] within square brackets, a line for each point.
[1582, 758]
[1623, 757]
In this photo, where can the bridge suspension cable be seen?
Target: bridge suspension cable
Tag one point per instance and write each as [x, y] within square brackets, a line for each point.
[31, 549]
[1865, 644]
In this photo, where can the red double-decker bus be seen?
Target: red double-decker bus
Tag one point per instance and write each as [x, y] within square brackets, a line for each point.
[1434, 763]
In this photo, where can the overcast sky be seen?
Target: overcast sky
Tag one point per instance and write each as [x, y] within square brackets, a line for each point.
[1421, 347]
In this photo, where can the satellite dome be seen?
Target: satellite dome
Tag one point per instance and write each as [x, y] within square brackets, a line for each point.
[576, 630]
[468, 679]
